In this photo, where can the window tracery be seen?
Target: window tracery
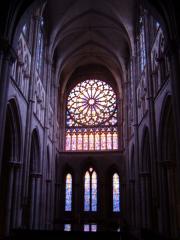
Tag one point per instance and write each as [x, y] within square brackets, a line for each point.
[90, 191]
[91, 117]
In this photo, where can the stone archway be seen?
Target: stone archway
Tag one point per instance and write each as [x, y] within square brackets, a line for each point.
[10, 181]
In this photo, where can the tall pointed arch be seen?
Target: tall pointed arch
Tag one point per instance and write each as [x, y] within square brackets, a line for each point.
[68, 192]
[116, 192]
[90, 190]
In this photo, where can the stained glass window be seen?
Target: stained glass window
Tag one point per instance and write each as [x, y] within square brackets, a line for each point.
[142, 45]
[39, 50]
[67, 227]
[90, 227]
[90, 191]
[68, 193]
[116, 193]
[91, 117]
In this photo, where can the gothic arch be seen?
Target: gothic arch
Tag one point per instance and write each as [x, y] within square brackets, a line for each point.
[34, 182]
[67, 169]
[11, 176]
[35, 161]
[112, 222]
[167, 168]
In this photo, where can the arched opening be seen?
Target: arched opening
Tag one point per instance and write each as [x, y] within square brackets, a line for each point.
[34, 188]
[10, 181]
[167, 169]
[145, 182]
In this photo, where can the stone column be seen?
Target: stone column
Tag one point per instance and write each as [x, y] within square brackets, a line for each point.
[7, 56]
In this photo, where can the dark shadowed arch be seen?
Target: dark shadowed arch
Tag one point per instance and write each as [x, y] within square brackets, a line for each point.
[167, 167]
[11, 169]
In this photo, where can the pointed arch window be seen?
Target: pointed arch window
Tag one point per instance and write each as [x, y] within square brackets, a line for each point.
[39, 48]
[90, 191]
[91, 117]
[116, 193]
[142, 45]
[68, 192]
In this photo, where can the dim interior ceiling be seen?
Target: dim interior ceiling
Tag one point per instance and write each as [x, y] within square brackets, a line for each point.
[82, 32]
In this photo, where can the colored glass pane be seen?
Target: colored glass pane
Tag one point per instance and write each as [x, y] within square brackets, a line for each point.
[90, 191]
[87, 192]
[79, 142]
[91, 141]
[109, 141]
[68, 142]
[67, 227]
[116, 193]
[91, 109]
[73, 141]
[115, 141]
[86, 227]
[68, 193]
[93, 228]
[103, 141]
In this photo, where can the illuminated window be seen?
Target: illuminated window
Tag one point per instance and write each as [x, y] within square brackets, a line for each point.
[39, 50]
[68, 193]
[116, 193]
[91, 117]
[90, 191]
[90, 227]
[142, 45]
[67, 227]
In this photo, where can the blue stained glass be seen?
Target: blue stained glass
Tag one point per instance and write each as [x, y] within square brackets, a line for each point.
[86, 227]
[87, 192]
[68, 193]
[67, 227]
[94, 192]
[93, 228]
[116, 193]
[90, 191]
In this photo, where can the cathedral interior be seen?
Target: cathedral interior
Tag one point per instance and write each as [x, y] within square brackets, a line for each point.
[89, 119]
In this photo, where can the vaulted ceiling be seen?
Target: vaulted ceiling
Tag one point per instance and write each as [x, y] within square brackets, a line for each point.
[83, 32]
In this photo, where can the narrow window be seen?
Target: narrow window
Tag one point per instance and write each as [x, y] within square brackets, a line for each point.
[92, 227]
[90, 191]
[142, 45]
[116, 193]
[68, 193]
